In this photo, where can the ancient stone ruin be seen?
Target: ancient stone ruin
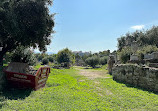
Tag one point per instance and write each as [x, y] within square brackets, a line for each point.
[145, 77]
[151, 59]
[111, 62]
[134, 58]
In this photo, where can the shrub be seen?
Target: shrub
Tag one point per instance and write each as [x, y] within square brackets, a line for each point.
[103, 60]
[124, 54]
[92, 61]
[149, 49]
[145, 50]
[51, 59]
[65, 56]
[40, 57]
[45, 61]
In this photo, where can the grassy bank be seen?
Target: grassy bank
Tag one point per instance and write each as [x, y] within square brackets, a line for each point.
[67, 90]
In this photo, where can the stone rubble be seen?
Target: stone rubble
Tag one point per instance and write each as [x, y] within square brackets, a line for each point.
[30, 70]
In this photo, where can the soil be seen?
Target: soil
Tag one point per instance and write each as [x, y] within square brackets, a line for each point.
[93, 74]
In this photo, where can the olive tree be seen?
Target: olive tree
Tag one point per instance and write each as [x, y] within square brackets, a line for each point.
[65, 57]
[92, 61]
[24, 22]
[45, 61]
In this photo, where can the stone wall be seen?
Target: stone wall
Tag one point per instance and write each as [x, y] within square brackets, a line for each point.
[145, 77]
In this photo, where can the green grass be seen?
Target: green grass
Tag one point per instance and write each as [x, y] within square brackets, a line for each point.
[5, 64]
[66, 90]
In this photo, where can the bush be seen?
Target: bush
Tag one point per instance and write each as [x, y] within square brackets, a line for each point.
[149, 49]
[51, 59]
[65, 56]
[45, 61]
[146, 50]
[92, 61]
[40, 57]
[103, 60]
[124, 54]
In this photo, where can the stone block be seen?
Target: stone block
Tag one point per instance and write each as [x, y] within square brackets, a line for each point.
[155, 55]
[147, 56]
[153, 65]
[134, 58]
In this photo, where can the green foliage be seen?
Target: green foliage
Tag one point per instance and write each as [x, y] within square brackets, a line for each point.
[103, 60]
[51, 58]
[78, 59]
[25, 22]
[81, 59]
[144, 38]
[65, 56]
[7, 57]
[23, 54]
[121, 43]
[40, 57]
[127, 40]
[92, 61]
[84, 57]
[77, 56]
[149, 49]
[124, 54]
[73, 59]
[104, 53]
[146, 50]
[45, 61]
[147, 42]
[152, 36]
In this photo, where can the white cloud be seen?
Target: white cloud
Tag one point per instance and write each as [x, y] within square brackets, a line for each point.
[138, 27]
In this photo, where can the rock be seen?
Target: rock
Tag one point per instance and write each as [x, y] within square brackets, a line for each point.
[30, 70]
[111, 62]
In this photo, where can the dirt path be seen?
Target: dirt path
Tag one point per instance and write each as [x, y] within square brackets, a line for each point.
[92, 74]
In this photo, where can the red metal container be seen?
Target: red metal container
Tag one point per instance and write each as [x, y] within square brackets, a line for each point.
[23, 80]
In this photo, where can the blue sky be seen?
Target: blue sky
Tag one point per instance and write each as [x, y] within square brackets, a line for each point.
[95, 25]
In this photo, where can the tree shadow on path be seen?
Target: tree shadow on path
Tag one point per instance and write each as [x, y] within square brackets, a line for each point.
[13, 93]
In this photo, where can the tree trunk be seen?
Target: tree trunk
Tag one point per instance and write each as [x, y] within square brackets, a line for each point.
[2, 76]
[1, 64]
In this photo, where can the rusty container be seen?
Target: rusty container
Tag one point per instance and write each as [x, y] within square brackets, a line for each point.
[17, 76]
